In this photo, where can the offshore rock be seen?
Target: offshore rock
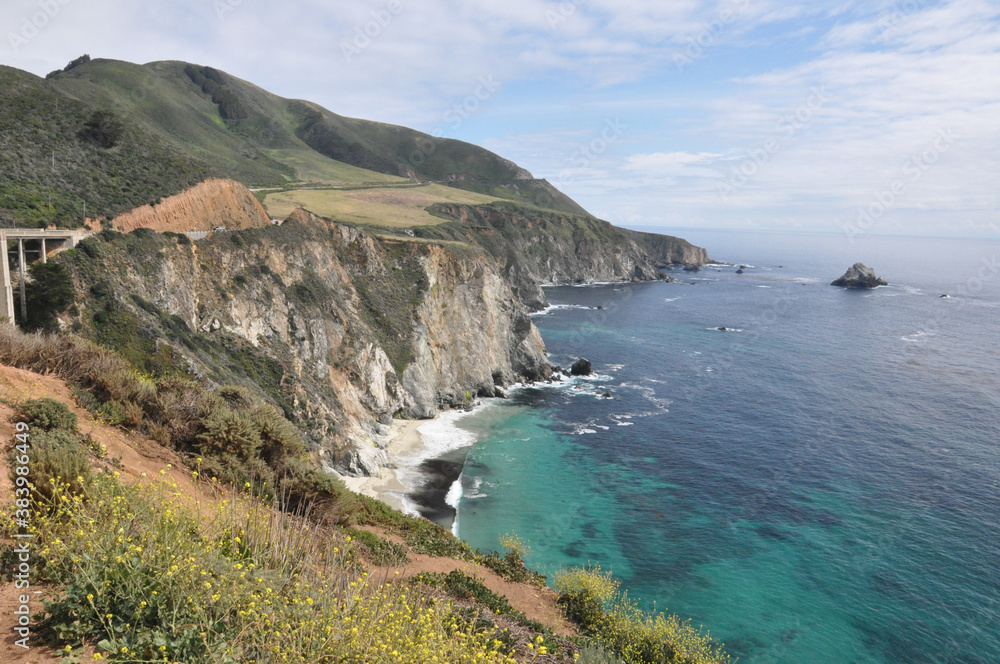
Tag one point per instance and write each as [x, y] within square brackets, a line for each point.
[860, 275]
[582, 367]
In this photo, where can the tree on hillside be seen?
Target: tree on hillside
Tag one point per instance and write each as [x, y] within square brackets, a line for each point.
[82, 60]
[49, 293]
[103, 129]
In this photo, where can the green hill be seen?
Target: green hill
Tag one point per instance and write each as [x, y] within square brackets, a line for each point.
[114, 135]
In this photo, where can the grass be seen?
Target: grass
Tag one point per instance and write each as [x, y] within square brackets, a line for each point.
[145, 580]
[387, 207]
[311, 166]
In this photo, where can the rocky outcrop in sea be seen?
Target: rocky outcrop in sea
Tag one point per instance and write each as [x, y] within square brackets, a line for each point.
[860, 275]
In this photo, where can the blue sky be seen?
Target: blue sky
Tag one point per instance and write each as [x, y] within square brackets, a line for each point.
[837, 116]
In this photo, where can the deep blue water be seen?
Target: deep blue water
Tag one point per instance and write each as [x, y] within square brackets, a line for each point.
[822, 486]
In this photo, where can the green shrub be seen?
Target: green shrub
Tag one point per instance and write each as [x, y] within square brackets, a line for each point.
[279, 440]
[111, 413]
[47, 414]
[381, 552]
[103, 129]
[49, 292]
[304, 487]
[56, 459]
[511, 565]
[228, 432]
[592, 599]
[596, 655]
[458, 584]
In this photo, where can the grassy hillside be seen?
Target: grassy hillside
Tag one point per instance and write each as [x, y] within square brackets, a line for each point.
[396, 207]
[124, 135]
[58, 155]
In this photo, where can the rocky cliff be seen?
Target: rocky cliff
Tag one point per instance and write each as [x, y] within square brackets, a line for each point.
[342, 330]
[542, 248]
[215, 202]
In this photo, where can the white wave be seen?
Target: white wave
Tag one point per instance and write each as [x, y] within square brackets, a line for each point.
[593, 284]
[660, 404]
[626, 424]
[615, 367]
[759, 286]
[917, 337]
[409, 508]
[559, 307]
[581, 432]
[596, 377]
[452, 499]
[442, 434]
[474, 492]
[565, 383]
[671, 299]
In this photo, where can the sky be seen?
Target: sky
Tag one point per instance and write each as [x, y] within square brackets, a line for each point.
[841, 116]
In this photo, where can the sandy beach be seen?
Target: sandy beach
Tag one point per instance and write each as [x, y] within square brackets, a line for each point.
[405, 440]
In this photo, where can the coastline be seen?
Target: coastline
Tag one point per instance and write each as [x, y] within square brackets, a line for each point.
[419, 479]
[404, 442]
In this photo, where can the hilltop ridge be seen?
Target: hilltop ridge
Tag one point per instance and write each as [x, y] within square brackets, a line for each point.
[117, 135]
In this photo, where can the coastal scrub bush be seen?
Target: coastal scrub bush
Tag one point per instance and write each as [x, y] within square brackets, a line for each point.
[380, 551]
[59, 463]
[593, 600]
[304, 486]
[595, 655]
[462, 586]
[511, 565]
[240, 438]
[47, 414]
[49, 292]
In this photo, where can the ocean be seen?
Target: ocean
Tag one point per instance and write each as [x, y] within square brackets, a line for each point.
[818, 483]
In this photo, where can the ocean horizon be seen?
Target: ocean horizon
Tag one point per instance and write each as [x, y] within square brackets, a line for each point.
[817, 482]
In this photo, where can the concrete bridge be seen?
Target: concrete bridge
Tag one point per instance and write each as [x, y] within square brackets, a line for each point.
[32, 244]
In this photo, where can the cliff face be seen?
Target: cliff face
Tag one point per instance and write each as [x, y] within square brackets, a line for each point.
[341, 330]
[203, 207]
[546, 248]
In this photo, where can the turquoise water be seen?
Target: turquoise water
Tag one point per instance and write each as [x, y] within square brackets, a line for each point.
[821, 486]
